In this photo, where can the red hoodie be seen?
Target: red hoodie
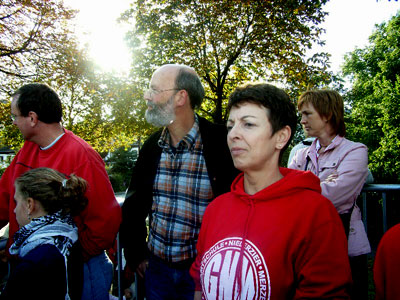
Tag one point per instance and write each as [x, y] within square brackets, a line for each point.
[295, 246]
[387, 266]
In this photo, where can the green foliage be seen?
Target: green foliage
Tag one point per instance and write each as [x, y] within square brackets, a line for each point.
[37, 45]
[103, 109]
[126, 110]
[87, 100]
[5, 164]
[375, 99]
[9, 134]
[229, 42]
[119, 166]
[385, 161]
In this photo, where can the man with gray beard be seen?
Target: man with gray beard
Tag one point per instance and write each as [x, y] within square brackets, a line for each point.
[161, 114]
[181, 168]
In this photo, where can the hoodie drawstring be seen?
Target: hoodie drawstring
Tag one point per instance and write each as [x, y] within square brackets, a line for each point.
[238, 275]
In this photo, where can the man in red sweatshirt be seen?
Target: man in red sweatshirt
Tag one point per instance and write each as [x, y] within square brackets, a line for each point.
[36, 110]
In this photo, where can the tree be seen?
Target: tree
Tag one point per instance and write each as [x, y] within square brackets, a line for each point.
[119, 166]
[79, 83]
[29, 31]
[38, 45]
[127, 109]
[91, 99]
[101, 108]
[9, 134]
[375, 99]
[229, 42]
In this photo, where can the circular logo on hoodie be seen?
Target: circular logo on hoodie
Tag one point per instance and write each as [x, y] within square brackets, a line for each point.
[228, 270]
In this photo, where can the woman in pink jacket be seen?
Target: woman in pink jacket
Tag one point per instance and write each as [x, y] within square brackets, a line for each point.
[342, 167]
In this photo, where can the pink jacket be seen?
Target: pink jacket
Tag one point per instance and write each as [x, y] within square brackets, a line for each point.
[342, 169]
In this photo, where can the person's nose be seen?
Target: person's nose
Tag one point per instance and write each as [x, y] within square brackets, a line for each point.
[233, 133]
[303, 120]
[147, 95]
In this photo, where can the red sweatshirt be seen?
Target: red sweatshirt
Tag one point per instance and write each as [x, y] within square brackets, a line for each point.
[295, 246]
[98, 224]
[387, 266]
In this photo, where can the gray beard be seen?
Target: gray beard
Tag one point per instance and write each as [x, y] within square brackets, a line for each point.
[161, 115]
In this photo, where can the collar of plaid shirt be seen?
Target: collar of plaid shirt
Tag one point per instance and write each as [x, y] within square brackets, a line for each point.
[189, 139]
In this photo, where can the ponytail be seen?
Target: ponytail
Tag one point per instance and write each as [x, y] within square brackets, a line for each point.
[72, 195]
[53, 190]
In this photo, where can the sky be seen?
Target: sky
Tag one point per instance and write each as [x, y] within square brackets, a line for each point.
[348, 25]
[351, 22]
[97, 25]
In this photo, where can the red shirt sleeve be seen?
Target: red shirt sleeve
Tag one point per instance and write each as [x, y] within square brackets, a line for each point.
[99, 223]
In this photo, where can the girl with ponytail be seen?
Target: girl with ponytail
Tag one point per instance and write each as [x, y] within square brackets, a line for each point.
[46, 200]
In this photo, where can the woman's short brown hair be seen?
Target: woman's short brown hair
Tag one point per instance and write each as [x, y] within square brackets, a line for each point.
[281, 110]
[328, 104]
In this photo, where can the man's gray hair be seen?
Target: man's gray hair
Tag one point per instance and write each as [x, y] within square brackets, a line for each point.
[188, 80]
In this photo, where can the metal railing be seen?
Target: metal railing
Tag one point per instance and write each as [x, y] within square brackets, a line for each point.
[368, 188]
[120, 198]
[379, 188]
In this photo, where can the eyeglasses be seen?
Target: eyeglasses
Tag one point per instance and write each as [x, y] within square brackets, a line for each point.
[153, 92]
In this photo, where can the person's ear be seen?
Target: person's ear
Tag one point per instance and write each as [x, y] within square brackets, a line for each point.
[182, 97]
[283, 136]
[30, 204]
[34, 119]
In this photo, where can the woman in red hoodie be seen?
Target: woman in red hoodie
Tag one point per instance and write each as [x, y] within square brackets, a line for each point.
[273, 236]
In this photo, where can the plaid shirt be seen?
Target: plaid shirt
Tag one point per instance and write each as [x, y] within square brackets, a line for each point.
[181, 193]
